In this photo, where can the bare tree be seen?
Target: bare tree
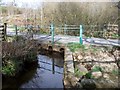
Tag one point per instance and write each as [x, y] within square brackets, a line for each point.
[85, 13]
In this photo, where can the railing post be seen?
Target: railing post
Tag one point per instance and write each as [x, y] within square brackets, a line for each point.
[52, 30]
[81, 30]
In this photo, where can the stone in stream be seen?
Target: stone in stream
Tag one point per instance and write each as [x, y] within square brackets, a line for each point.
[88, 83]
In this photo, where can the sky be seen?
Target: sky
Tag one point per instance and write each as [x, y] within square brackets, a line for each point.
[23, 3]
[37, 3]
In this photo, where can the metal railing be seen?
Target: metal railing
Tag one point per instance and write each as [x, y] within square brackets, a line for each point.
[98, 31]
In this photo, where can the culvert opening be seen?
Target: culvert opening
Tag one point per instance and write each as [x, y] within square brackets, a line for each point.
[50, 48]
[62, 52]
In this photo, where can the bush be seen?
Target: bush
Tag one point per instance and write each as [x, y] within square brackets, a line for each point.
[15, 53]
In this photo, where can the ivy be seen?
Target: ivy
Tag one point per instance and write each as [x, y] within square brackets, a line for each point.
[9, 69]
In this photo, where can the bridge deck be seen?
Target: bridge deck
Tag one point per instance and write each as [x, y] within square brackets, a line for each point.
[68, 39]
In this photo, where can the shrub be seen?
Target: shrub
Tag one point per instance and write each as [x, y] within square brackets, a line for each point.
[15, 53]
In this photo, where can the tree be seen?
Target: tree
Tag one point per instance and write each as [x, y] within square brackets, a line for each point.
[84, 13]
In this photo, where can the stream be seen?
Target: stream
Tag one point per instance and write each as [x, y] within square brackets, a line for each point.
[47, 74]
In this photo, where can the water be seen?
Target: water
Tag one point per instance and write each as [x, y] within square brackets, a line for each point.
[48, 74]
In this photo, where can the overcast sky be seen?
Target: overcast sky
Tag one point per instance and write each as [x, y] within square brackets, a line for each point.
[36, 3]
[60, 1]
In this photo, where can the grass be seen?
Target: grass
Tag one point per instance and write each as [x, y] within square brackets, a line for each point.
[115, 36]
[21, 28]
[79, 73]
[59, 43]
[96, 69]
[93, 48]
[75, 46]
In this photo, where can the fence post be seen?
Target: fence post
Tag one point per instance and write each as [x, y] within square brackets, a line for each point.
[16, 30]
[5, 28]
[38, 28]
[52, 30]
[65, 28]
[81, 30]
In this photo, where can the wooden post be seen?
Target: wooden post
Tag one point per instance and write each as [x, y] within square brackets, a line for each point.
[65, 28]
[38, 28]
[4, 32]
[81, 30]
[16, 30]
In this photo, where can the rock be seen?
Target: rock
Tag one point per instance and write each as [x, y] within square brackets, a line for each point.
[88, 67]
[97, 74]
[78, 85]
[74, 81]
[88, 83]
[80, 57]
[66, 82]
[106, 83]
[106, 76]
[82, 69]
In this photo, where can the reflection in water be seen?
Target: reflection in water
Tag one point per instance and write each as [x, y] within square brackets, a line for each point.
[53, 68]
[48, 74]
[18, 81]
